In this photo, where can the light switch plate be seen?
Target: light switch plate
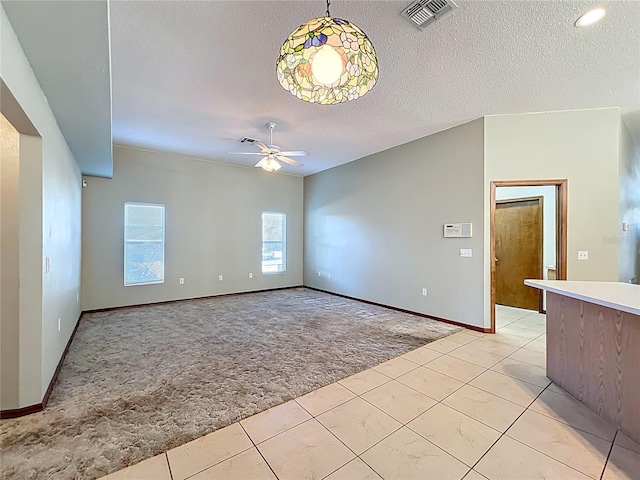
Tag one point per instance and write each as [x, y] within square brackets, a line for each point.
[583, 255]
[466, 252]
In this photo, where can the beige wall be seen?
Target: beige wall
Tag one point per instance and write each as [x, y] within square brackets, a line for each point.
[581, 146]
[629, 241]
[21, 274]
[32, 320]
[9, 264]
[212, 221]
[374, 227]
[50, 226]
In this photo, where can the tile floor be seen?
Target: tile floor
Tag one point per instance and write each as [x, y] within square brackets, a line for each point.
[469, 406]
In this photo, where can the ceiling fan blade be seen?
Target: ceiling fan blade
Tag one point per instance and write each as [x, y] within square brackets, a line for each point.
[245, 153]
[295, 153]
[262, 147]
[290, 161]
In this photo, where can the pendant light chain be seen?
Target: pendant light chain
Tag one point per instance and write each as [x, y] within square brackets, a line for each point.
[328, 3]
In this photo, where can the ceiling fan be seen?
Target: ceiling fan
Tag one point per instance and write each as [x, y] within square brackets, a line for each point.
[272, 153]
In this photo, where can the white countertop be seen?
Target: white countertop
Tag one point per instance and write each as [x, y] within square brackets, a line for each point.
[617, 295]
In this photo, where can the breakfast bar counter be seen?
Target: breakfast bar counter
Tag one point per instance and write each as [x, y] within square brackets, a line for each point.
[593, 346]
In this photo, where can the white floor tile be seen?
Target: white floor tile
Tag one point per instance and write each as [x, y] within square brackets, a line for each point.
[455, 433]
[567, 409]
[506, 387]
[307, 451]
[477, 356]
[274, 421]
[358, 424]
[399, 401]
[246, 465]
[430, 382]
[623, 464]
[454, 367]
[511, 460]
[421, 355]
[356, 469]
[395, 367]
[485, 407]
[195, 456]
[580, 450]
[523, 371]
[406, 455]
[364, 381]
[325, 398]
[154, 468]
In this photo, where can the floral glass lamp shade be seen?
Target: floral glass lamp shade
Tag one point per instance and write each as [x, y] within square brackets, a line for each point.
[327, 60]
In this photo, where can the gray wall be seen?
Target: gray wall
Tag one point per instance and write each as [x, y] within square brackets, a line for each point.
[581, 146]
[629, 207]
[212, 222]
[374, 227]
[50, 227]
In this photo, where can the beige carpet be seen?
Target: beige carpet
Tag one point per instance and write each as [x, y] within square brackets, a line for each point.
[139, 381]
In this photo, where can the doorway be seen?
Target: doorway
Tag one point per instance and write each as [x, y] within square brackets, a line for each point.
[520, 234]
[519, 238]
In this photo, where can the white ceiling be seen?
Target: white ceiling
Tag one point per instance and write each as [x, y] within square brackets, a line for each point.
[67, 44]
[192, 77]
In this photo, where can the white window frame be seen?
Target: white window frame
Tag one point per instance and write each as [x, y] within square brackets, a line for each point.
[157, 205]
[284, 244]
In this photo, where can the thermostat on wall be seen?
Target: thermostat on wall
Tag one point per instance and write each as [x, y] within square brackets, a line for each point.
[457, 230]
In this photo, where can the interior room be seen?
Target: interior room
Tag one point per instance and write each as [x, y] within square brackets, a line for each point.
[320, 239]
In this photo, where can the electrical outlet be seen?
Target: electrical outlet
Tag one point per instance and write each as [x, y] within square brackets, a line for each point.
[466, 252]
[220, 277]
[59, 323]
[319, 274]
[250, 275]
[181, 281]
[77, 297]
[424, 292]
[328, 275]
[583, 255]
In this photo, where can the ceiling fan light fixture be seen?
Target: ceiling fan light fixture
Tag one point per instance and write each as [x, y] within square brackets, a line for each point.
[328, 61]
[269, 164]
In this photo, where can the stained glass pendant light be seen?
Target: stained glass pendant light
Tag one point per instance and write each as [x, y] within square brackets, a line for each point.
[328, 61]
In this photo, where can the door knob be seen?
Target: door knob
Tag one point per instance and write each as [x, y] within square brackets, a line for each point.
[496, 259]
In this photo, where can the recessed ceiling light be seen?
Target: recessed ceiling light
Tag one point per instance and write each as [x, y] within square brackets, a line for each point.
[592, 16]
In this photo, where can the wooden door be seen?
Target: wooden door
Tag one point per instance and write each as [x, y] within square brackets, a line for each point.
[518, 251]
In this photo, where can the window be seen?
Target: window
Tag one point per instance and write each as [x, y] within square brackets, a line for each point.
[274, 240]
[143, 243]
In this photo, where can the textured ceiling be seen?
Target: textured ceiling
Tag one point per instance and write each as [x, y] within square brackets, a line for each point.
[67, 44]
[194, 77]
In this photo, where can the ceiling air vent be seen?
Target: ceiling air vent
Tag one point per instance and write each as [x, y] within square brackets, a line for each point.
[423, 13]
[248, 140]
